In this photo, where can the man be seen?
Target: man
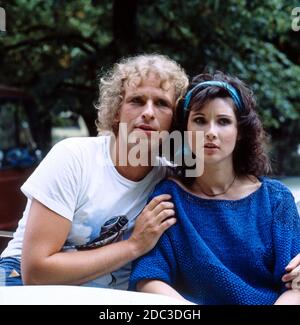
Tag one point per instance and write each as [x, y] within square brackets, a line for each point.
[86, 196]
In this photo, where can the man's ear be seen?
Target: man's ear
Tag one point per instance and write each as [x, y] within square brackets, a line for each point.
[115, 123]
[117, 117]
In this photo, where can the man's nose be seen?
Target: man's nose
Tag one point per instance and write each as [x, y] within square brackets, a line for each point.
[148, 112]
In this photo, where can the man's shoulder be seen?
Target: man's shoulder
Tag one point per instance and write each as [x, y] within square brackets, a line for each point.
[80, 142]
[82, 147]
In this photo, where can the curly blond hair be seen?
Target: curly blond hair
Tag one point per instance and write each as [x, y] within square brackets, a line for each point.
[135, 70]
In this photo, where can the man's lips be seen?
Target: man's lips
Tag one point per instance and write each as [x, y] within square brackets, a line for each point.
[145, 127]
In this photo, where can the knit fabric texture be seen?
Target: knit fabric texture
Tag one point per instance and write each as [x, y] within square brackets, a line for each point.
[225, 251]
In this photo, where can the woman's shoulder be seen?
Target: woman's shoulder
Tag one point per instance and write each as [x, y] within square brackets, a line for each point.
[167, 185]
[278, 194]
[274, 186]
[283, 204]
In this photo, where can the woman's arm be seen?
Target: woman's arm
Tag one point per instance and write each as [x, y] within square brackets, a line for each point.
[289, 297]
[160, 287]
[46, 232]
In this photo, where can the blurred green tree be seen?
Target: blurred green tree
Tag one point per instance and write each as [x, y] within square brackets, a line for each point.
[56, 49]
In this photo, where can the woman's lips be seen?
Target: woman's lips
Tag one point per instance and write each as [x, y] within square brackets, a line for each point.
[211, 148]
[210, 145]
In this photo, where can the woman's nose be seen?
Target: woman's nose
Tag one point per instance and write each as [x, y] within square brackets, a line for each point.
[211, 132]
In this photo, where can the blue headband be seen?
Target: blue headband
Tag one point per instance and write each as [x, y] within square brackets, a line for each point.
[202, 85]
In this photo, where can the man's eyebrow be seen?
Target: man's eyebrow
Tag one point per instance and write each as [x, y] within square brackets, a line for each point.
[135, 95]
[155, 97]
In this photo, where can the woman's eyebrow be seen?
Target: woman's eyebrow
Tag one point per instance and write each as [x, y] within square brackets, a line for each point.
[202, 114]
[224, 115]
[193, 113]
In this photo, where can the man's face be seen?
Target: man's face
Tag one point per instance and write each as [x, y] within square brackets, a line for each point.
[148, 107]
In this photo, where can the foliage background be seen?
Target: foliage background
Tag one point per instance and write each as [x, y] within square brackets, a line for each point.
[56, 49]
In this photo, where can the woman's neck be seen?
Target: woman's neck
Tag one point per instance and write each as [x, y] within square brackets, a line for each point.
[215, 181]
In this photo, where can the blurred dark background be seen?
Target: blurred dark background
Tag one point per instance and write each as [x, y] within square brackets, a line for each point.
[55, 50]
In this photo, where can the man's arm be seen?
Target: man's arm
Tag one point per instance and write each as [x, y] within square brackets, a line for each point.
[46, 232]
[292, 281]
[292, 277]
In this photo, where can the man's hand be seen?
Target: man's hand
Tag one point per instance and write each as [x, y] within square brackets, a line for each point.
[157, 217]
[292, 277]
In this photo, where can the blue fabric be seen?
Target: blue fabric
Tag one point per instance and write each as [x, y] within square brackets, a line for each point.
[9, 267]
[202, 85]
[223, 251]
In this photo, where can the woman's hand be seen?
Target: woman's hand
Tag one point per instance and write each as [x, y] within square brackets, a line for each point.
[157, 217]
[292, 277]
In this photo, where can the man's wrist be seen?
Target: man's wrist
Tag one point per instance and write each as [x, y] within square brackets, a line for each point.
[135, 249]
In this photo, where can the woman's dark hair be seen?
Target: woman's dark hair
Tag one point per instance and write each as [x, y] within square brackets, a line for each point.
[249, 156]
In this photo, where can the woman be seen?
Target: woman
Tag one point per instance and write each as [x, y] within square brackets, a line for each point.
[236, 230]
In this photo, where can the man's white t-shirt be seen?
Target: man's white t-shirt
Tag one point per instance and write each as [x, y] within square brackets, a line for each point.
[78, 181]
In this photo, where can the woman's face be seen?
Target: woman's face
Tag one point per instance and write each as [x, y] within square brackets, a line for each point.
[218, 122]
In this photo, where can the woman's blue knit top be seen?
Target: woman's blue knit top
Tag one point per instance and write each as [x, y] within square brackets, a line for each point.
[225, 251]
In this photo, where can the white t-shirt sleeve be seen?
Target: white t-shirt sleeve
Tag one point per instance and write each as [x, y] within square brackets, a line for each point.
[56, 181]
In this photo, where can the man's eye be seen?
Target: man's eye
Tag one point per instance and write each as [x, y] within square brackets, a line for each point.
[162, 103]
[136, 100]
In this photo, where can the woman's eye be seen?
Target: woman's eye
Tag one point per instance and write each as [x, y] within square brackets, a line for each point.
[199, 120]
[224, 121]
